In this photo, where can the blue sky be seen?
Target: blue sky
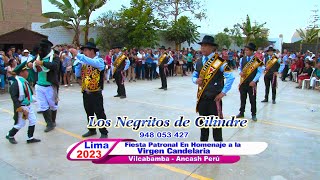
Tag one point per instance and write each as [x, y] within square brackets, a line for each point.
[281, 16]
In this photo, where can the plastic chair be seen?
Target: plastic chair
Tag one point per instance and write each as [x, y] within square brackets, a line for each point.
[307, 80]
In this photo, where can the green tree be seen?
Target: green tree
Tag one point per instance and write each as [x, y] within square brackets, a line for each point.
[69, 18]
[261, 39]
[223, 40]
[235, 35]
[87, 7]
[140, 24]
[254, 33]
[181, 31]
[308, 36]
[110, 29]
[169, 8]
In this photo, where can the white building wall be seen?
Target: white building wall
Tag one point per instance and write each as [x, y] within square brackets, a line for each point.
[61, 35]
[277, 44]
[295, 39]
[57, 35]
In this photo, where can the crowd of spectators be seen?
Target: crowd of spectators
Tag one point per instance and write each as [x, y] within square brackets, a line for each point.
[144, 62]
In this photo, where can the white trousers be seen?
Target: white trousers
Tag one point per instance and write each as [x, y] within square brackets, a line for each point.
[108, 74]
[46, 98]
[313, 81]
[31, 118]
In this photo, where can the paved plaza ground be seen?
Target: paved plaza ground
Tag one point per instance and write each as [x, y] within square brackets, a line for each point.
[290, 127]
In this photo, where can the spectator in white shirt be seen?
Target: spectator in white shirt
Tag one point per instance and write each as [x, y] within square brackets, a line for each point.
[140, 64]
[26, 56]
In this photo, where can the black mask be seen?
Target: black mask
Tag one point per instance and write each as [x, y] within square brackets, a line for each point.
[44, 50]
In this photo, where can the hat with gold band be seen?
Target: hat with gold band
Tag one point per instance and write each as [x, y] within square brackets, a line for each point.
[19, 68]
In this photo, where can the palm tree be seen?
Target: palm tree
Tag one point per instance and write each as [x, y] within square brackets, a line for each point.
[69, 18]
[86, 8]
[251, 32]
[254, 33]
[308, 36]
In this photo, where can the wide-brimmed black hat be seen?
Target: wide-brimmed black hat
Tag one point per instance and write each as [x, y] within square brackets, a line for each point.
[162, 47]
[270, 49]
[46, 43]
[251, 46]
[208, 40]
[90, 45]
